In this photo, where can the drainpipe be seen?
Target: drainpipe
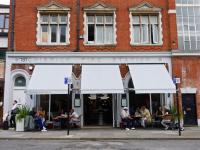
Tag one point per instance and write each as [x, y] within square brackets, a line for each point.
[12, 25]
[78, 25]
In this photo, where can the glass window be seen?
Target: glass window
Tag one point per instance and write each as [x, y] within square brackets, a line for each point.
[1, 21]
[145, 29]
[100, 29]
[20, 81]
[54, 28]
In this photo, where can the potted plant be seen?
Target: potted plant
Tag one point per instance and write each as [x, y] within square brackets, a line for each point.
[22, 112]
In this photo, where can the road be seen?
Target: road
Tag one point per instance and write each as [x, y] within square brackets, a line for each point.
[105, 145]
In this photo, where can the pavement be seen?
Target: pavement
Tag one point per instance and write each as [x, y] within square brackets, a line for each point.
[190, 133]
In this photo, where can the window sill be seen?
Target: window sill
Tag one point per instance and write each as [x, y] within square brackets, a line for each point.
[146, 44]
[55, 44]
[111, 45]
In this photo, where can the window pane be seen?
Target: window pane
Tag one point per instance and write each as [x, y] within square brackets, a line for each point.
[6, 23]
[187, 45]
[136, 34]
[99, 34]
[62, 33]
[54, 19]
[154, 20]
[20, 81]
[136, 20]
[99, 19]
[109, 19]
[44, 33]
[108, 34]
[155, 34]
[180, 43]
[91, 32]
[63, 19]
[145, 34]
[44, 18]
[90, 19]
[1, 21]
[53, 33]
[144, 19]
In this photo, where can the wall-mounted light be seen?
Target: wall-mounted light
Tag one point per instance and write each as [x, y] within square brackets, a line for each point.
[30, 67]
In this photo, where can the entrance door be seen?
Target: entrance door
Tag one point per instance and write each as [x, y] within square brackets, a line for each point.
[98, 110]
[189, 109]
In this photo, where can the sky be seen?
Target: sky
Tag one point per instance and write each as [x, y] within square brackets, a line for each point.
[4, 1]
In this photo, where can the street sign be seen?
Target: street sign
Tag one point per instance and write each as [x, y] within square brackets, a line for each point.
[67, 80]
[176, 80]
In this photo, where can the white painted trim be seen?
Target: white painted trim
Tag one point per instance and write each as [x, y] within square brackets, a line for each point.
[185, 53]
[88, 58]
[185, 5]
[188, 90]
[172, 11]
[198, 122]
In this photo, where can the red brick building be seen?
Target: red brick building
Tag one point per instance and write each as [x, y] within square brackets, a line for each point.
[119, 54]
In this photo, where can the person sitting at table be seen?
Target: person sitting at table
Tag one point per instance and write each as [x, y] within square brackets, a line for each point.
[137, 117]
[167, 118]
[159, 114]
[146, 116]
[74, 118]
[40, 119]
[125, 116]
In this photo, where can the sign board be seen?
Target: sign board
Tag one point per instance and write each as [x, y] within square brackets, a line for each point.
[67, 80]
[176, 80]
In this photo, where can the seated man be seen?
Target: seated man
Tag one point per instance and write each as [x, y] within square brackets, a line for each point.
[74, 118]
[125, 116]
[146, 116]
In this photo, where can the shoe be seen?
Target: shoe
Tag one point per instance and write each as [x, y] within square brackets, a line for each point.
[127, 129]
[43, 130]
[132, 128]
[166, 128]
[182, 129]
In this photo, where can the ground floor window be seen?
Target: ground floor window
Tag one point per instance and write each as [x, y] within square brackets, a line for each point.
[58, 105]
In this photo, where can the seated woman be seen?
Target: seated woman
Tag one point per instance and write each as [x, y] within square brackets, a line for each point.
[159, 114]
[146, 116]
[40, 119]
[137, 117]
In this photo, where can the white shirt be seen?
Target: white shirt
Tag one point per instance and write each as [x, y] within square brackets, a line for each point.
[124, 114]
[14, 106]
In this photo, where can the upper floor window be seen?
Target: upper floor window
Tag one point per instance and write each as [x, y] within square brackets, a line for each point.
[4, 21]
[99, 25]
[145, 29]
[145, 21]
[53, 25]
[100, 29]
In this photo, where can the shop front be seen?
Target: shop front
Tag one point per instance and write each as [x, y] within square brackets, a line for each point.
[98, 91]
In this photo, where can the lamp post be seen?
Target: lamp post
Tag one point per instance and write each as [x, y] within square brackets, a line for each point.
[176, 81]
[68, 81]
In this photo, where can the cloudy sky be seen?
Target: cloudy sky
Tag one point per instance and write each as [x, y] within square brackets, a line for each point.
[4, 1]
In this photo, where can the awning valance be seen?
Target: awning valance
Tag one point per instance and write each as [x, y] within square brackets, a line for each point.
[101, 79]
[49, 79]
[151, 78]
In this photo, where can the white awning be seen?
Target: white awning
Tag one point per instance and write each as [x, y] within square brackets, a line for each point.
[101, 79]
[151, 78]
[49, 79]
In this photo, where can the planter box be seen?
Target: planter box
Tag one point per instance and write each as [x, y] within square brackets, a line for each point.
[20, 125]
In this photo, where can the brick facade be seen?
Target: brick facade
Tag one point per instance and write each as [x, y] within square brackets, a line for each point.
[187, 68]
[26, 19]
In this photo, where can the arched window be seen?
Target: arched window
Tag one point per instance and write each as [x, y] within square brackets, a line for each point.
[20, 81]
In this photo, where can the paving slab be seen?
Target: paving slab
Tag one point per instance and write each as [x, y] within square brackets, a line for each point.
[190, 133]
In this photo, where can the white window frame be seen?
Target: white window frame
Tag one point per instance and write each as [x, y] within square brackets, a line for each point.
[53, 9]
[146, 9]
[102, 10]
